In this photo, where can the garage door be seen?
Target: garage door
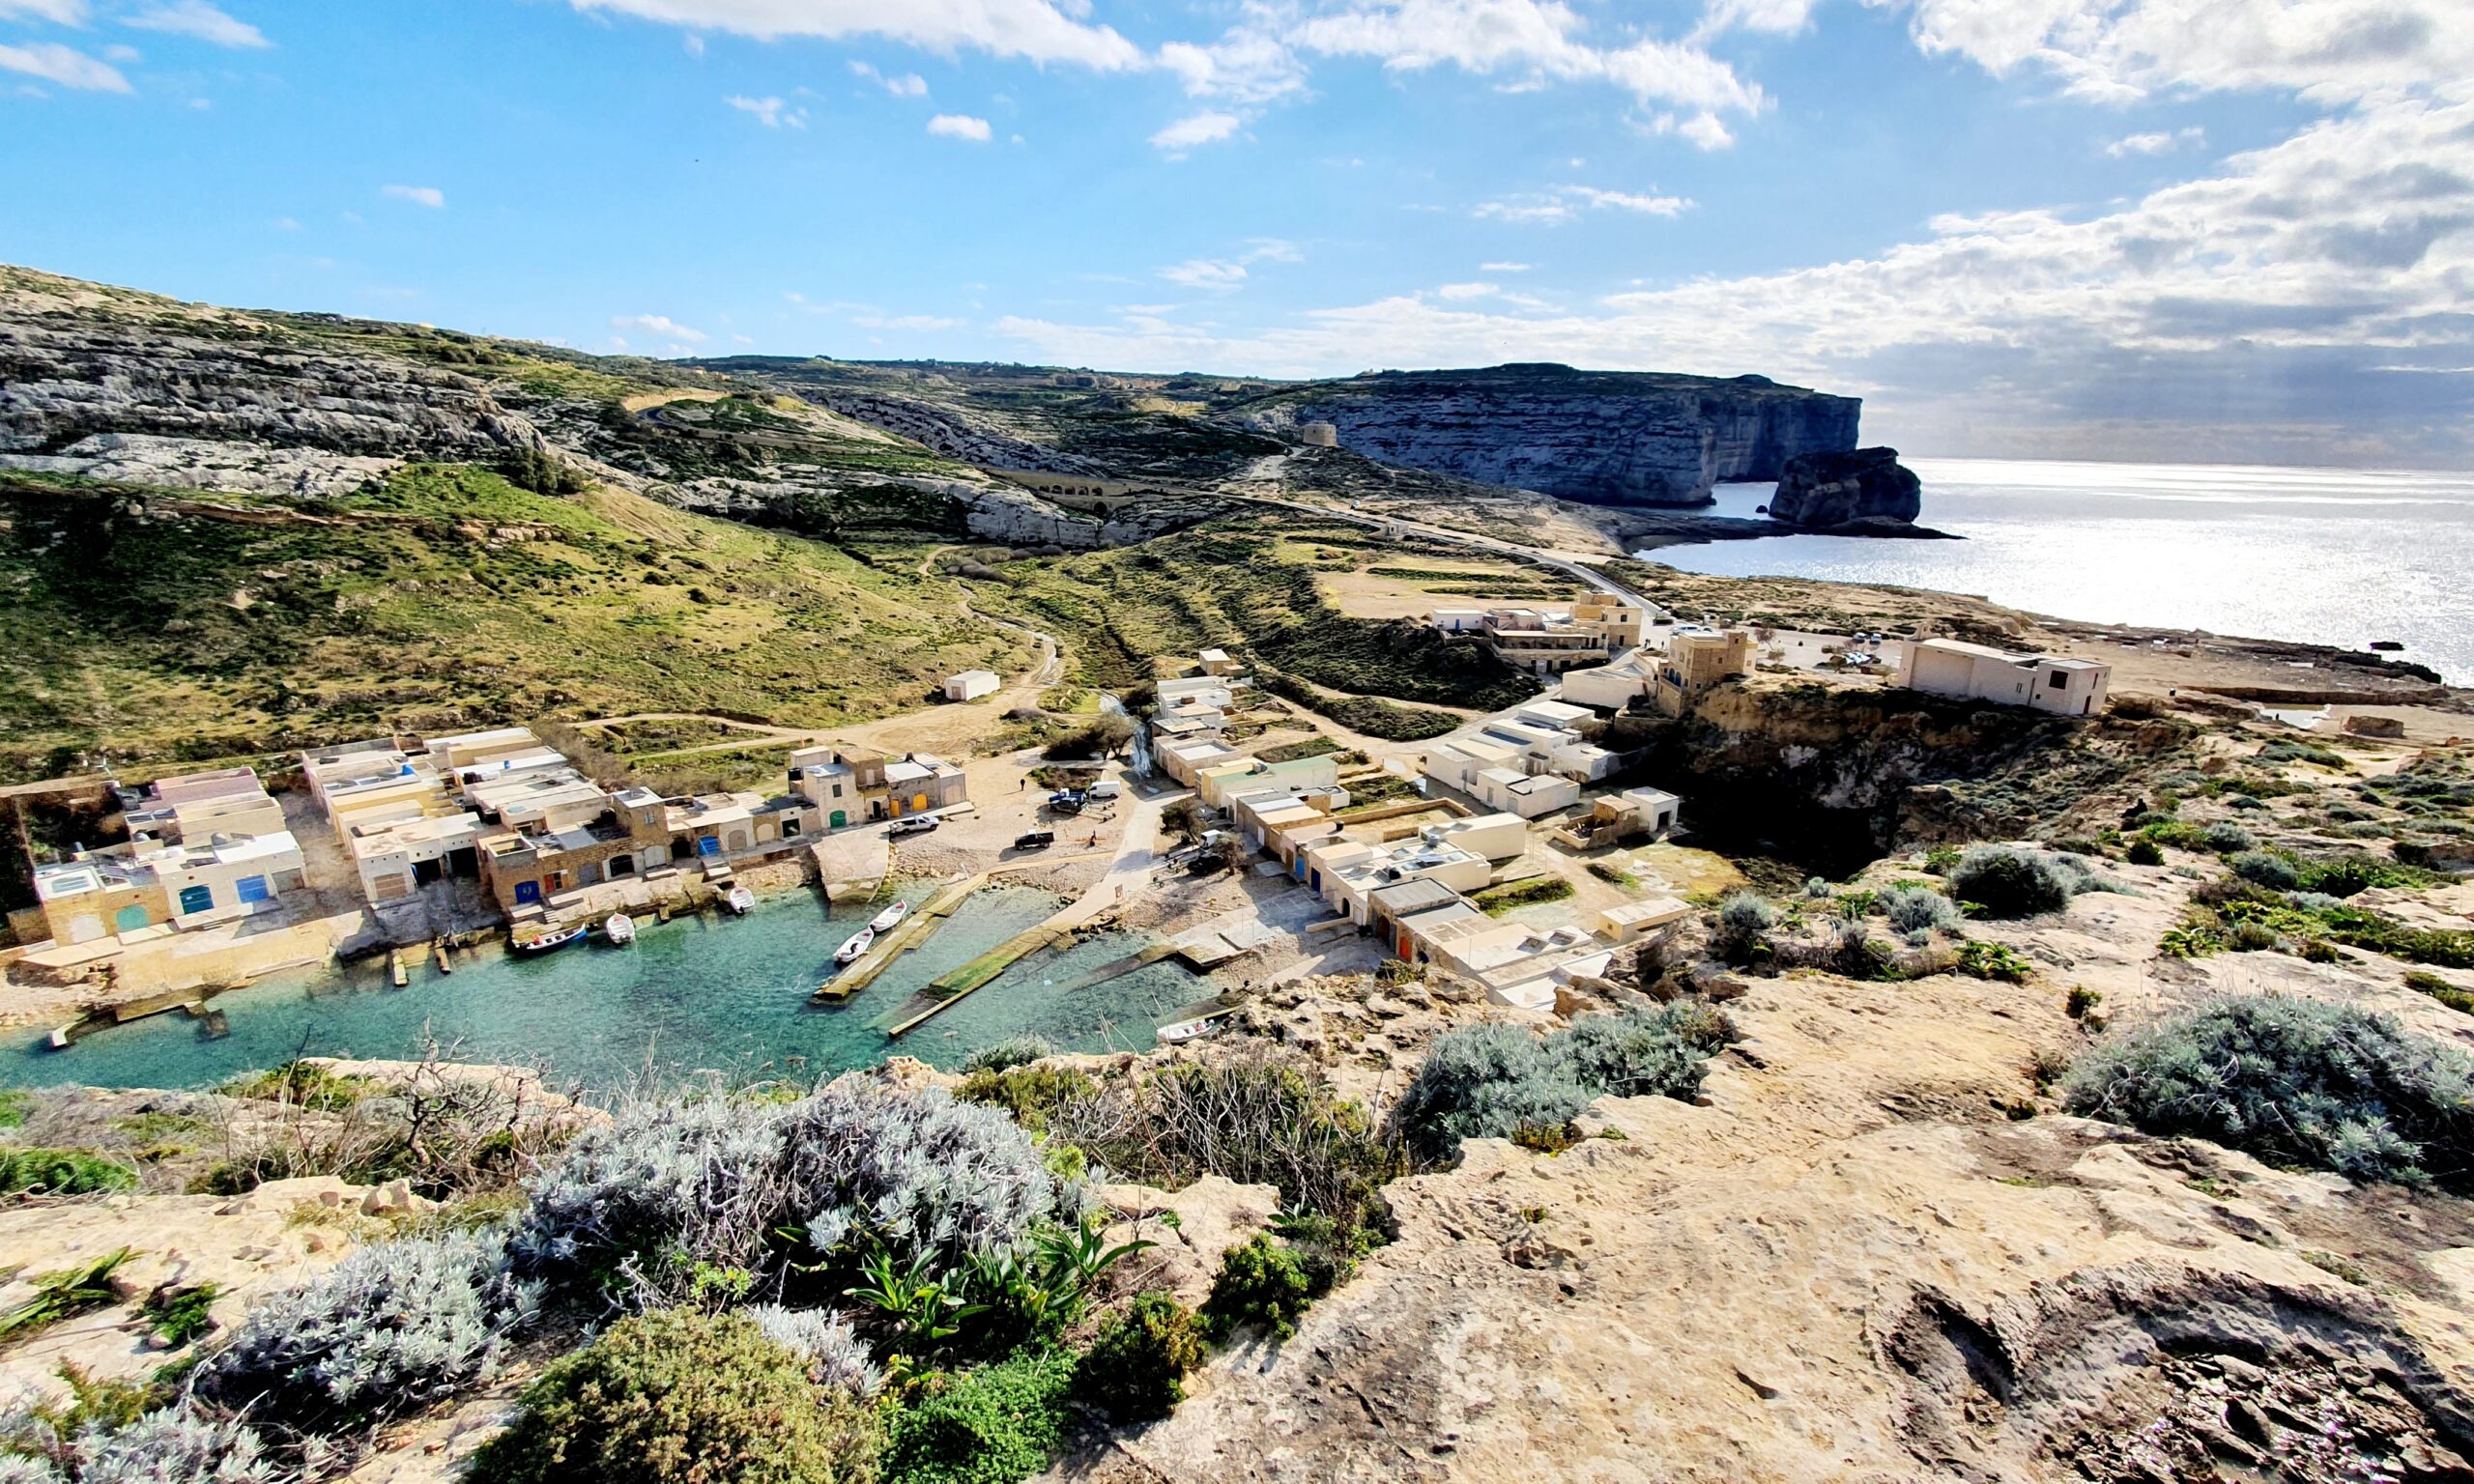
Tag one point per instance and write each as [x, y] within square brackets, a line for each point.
[196, 898]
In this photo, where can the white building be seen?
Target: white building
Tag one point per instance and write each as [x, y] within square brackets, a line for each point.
[972, 684]
[1612, 687]
[2048, 682]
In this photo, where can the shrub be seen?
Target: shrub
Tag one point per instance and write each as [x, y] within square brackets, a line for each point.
[1260, 1282]
[993, 1425]
[2080, 1001]
[1500, 1082]
[1992, 961]
[1027, 1093]
[2006, 881]
[681, 1397]
[2295, 1082]
[1496, 900]
[1136, 1367]
[65, 1294]
[1743, 930]
[171, 1445]
[60, 1172]
[2225, 838]
[179, 1313]
[1485, 1081]
[1011, 1052]
[1920, 909]
[836, 1359]
[2143, 852]
[386, 1330]
[2266, 868]
[856, 1165]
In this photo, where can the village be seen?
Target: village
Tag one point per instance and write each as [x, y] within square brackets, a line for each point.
[1245, 835]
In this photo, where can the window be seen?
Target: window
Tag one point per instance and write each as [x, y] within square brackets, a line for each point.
[790, 827]
[2059, 681]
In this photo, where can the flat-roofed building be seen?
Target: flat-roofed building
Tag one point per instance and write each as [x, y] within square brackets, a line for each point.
[1526, 794]
[972, 684]
[1499, 836]
[1631, 921]
[1347, 873]
[1612, 687]
[1632, 815]
[2048, 682]
[148, 883]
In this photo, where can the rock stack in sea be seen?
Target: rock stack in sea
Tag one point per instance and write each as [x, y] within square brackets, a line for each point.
[1852, 487]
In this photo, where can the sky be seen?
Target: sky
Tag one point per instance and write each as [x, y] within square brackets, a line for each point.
[2162, 230]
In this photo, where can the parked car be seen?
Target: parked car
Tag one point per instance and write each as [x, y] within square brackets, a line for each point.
[1105, 788]
[916, 825]
[1035, 840]
[1068, 801]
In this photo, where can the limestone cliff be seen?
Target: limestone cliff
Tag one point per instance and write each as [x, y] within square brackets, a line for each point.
[1601, 437]
[1841, 489]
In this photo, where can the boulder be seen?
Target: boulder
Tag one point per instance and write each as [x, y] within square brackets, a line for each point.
[1840, 489]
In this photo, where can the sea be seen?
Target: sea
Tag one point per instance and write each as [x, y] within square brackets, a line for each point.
[2323, 555]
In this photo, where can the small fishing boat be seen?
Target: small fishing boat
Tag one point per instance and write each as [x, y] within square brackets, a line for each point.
[555, 938]
[620, 929]
[1188, 1030]
[884, 921]
[740, 900]
[860, 942]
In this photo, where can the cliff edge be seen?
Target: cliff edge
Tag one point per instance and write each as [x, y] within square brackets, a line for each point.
[1609, 437]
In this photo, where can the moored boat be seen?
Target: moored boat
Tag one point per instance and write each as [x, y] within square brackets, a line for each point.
[859, 942]
[1188, 1030]
[883, 922]
[740, 900]
[620, 929]
[556, 937]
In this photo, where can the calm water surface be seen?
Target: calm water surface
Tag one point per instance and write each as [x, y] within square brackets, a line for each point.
[2331, 556]
[726, 993]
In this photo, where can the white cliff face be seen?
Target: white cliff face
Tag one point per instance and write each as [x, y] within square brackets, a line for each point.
[1606, 439]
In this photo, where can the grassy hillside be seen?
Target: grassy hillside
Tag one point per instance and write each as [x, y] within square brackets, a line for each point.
[1239, 586]
[177, 628]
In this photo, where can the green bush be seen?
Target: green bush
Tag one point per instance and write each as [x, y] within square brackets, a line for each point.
[993, 1425]
[681, 1397]
[1136, 1367]
[2143, 852]
[1261, 1282]
[1992, 961]
[2268, 869]
[60, 1172]
[1500, 1082]
[1742, 933]
[2295, 1082]
[1011, 1052]
[1496, 900]
[2006, 881]
[1029, 1093]
[2226, 838]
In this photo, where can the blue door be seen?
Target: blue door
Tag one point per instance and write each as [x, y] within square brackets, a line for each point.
[708, 844]
[253, 889]
[527, 891]
[196, 898]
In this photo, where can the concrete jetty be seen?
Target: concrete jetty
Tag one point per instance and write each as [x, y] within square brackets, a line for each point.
[924, 919]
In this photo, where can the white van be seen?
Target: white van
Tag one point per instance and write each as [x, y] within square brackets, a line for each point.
[1105, 788]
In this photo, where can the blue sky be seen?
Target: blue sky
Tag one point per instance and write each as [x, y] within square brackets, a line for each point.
[2236, 230]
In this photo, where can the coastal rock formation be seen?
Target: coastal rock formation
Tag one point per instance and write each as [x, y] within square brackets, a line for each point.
[1840, 488]
[1601, 436]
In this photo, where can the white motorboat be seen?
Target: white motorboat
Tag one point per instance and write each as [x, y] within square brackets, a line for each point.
[884, 921]
[740, 900]
[620, 929]
[1188, 1030]
[860, 942]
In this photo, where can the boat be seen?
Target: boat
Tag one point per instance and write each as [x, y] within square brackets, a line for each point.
[1188, 1030]
[620, 929]
[556, 937]
[883, 922]
[740, 900]
[860, 942]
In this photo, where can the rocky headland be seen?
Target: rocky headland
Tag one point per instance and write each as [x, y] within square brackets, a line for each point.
[1599, 436]
[1855, 487]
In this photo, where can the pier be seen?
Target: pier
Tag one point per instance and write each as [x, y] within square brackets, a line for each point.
[924, 919]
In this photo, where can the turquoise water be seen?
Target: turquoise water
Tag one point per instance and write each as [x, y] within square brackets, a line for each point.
[728, 994]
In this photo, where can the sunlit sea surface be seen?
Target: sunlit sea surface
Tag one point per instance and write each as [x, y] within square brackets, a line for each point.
[2331, 556]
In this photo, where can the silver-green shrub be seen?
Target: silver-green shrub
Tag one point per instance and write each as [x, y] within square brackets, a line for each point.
[389, 1329]
[171, 1445]
[1494, 1081]
[1011, 1052]
[2008, 881]
[2266, 868]
[1914, 909]
[2226, 838]
[2295, 1082]
[837, 1358]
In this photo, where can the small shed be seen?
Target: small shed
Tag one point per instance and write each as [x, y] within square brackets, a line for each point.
[972, 684]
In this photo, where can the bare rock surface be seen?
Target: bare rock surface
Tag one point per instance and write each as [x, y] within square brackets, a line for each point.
[1843, 487]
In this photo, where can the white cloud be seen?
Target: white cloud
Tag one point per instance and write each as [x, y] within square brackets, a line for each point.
[2303, 302]
[1778, 16]
[771, 112]
[418, 195]
[1248, 67]
[1032, 29]
[2156, 143]
[65, 66]
[60, 13]
[1535, 43]
[907, 85]
[1458, 291]
[1560, 204]
[1198, 129]
[960, 126]
[1505, 268]
[660, 326]
[2127, 48]
[693, 43]
[1222, 275]
[199, 20]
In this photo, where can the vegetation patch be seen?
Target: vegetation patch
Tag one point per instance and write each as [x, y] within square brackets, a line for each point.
[1496, 900]
[1497, 1081]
